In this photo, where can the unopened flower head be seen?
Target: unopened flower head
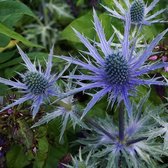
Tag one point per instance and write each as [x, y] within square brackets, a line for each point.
[36, 84]
[138, 11]
[117, 71]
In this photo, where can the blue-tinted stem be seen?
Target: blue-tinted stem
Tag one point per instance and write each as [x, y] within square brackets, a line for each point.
[121, 124]
[130, 142]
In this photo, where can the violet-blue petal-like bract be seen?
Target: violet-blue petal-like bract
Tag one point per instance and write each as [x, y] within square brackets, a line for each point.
[115, 72]
[36, 85]
[139, 12]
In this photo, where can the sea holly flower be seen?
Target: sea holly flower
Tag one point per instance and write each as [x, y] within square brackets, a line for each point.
[139, 12]
[68, 111]
[128, 144]
[116, 72]
[36, 84]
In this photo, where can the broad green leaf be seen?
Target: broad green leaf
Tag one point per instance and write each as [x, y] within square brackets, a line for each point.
[41, 153]
[16, 157]
[3, 89]
[83, 25]
[25, 134]
[12, 11]
[10, 33]
[4, 40]
[6, 56]
[106, 22]
[56, 152]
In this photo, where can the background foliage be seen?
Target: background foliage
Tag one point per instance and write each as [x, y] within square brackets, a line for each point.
[36, 26]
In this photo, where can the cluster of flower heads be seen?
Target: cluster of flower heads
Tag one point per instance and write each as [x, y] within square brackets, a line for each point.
[117, 71]
[113, 71]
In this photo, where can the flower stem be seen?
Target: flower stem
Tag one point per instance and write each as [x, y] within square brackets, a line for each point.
[121, 124]
[136, 140]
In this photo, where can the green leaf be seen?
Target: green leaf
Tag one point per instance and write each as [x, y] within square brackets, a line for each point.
[10, 33]
[12, 11]
[83, 25]
[106, 22]
[4, 40]
[6, 56]
[25, 133]
[16, 157]
[41, 153]
[3, 89]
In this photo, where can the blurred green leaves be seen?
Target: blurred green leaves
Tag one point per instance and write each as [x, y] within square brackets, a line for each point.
[10, 13]
[16, 157]
[83, 24]
[10, 33]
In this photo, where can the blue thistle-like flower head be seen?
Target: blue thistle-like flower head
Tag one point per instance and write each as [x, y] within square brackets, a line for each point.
[138, 10]
[117, 71]
[36, 84]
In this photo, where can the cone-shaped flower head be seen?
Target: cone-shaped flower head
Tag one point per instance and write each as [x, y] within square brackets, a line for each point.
[36, 84]
[139, 12]
[117, 71]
